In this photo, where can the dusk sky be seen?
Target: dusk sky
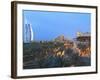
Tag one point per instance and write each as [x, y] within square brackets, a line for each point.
[49, 25]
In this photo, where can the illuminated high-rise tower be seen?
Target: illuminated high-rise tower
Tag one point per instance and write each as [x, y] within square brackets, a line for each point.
[27, 33]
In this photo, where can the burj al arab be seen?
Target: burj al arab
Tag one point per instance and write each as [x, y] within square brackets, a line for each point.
[27, 33]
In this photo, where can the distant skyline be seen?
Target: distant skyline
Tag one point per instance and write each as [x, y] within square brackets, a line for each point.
[49, 25]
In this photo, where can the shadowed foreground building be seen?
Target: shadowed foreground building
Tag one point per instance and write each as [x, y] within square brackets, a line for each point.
[83, 41]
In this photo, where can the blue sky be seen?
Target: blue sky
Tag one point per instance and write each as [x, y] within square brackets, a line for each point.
[49, 25]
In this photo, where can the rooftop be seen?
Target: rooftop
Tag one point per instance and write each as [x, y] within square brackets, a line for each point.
[80, 34]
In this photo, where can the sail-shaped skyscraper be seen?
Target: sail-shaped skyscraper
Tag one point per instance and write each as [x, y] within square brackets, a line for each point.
[27, 33]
